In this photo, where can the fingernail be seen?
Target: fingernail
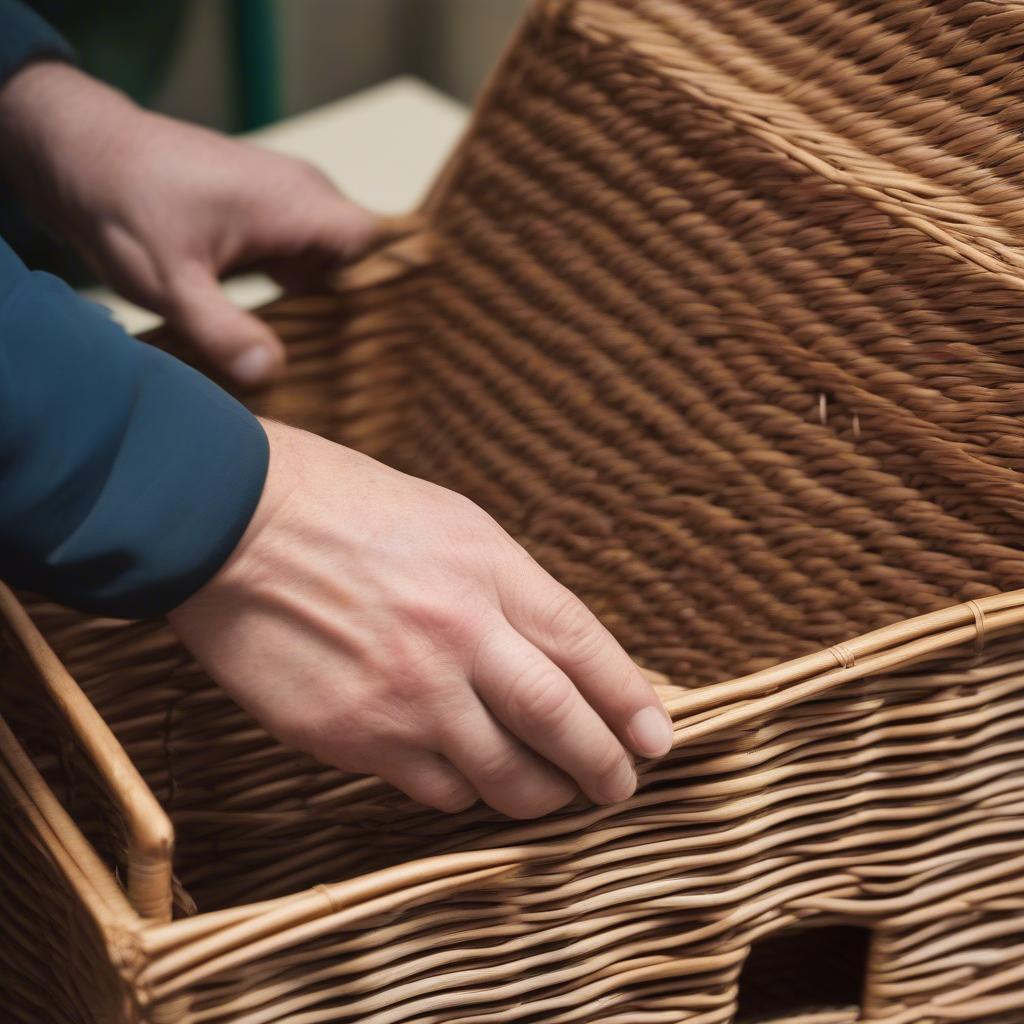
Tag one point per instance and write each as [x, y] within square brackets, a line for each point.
[651, 732]
[253, 366]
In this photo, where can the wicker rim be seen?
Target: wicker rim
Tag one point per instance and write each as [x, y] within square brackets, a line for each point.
[149, 830]
[739, 701]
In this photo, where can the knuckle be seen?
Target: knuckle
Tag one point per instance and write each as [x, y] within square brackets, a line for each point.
[409, 669]
[413, 679]
[571, 624]
[540, 696]
[443, 623]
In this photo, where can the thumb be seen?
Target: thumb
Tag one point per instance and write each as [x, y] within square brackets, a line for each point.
[239, 344]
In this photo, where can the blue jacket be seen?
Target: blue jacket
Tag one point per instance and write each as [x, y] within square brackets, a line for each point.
[126, 478]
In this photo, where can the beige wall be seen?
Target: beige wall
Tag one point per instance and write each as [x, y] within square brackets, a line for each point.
[198, 85]
[466, 37]
[328, 48]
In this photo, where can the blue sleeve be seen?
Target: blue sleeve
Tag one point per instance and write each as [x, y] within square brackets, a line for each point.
[126, 477]
[25, 37]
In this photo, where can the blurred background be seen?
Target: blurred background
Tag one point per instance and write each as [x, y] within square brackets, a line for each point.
[240, 65]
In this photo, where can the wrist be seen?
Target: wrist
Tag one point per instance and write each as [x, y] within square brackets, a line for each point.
[58, 128]
[242, 566]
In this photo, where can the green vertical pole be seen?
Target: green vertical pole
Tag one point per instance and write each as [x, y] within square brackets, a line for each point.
[255, 63]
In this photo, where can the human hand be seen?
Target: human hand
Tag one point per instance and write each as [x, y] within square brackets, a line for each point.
[389, 626]
[161, 209]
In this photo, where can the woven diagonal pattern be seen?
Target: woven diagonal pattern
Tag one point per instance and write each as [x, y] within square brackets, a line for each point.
[726, 318]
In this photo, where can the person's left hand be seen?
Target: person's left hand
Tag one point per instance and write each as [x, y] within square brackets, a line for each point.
[162, 209]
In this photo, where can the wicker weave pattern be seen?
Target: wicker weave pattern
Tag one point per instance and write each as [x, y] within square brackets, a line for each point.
[716, 309]
[829, 791]
[725, 321]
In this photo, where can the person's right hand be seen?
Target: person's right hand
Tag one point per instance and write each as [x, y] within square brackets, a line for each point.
[389, 626]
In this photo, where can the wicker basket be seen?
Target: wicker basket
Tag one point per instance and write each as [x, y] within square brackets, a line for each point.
[718, 310]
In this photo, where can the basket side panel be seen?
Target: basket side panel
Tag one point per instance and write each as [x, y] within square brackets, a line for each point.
[890, 807]
[723, 319]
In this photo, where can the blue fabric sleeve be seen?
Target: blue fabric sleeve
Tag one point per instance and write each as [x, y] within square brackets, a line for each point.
[126, 477]
[25, 37]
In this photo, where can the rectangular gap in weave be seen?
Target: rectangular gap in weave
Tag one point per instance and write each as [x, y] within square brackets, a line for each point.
[796, 972]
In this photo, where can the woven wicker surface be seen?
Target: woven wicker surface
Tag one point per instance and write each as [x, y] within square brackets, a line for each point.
[716, 309]
[806, 797]
[725, 322]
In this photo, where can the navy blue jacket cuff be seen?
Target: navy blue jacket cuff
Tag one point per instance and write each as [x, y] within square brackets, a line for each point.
[126, 477]
[25, 37]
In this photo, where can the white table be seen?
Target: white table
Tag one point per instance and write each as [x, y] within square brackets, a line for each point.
[383, 147]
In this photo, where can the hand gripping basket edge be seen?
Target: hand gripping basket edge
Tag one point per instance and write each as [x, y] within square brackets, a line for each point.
[717, 309]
